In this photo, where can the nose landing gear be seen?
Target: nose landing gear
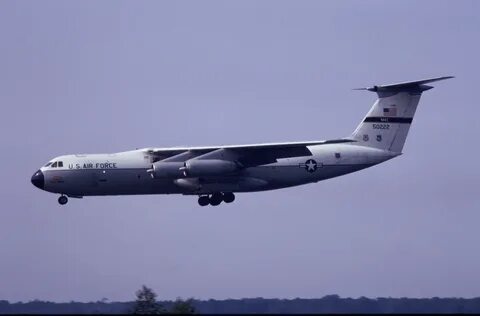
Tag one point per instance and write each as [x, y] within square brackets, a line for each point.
[62, 200]
[216, 198]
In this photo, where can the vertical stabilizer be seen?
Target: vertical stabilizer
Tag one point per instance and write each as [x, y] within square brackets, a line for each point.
[387, 123]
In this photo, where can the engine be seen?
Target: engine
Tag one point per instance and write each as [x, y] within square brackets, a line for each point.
[208, 167]
[163, 170]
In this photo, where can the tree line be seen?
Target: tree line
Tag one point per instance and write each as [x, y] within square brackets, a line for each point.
[146, 303]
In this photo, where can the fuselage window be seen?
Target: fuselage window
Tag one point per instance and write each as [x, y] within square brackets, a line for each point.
[60, 164]
[337, 155]
[54, 165]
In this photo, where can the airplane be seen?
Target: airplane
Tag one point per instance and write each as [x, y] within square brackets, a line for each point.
[216, 173]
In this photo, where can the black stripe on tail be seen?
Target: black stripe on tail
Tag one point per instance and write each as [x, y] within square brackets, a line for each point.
[382, 119]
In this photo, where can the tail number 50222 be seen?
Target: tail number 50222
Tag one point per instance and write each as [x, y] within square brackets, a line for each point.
[381, 126]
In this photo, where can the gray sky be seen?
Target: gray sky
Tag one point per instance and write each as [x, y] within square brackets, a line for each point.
[109, 76]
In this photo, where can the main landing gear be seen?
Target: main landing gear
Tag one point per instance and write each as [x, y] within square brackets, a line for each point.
[216, 198]
[62, 200]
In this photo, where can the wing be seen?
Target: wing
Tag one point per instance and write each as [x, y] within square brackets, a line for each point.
[247, 155]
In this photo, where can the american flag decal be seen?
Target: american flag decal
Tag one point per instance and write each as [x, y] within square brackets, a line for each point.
[389, 112]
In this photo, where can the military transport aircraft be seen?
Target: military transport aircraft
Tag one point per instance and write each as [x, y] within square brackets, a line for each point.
[215, 173]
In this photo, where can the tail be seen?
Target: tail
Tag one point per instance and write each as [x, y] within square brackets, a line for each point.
[387, 123]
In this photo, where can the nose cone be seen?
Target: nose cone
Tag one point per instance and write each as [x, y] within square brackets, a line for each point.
[38, 179]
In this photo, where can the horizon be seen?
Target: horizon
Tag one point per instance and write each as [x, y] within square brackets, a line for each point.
[106, 300]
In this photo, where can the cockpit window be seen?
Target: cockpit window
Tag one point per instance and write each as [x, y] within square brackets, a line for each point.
[54, 164]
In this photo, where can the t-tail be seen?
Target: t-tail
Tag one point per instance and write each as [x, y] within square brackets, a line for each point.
[387, 123]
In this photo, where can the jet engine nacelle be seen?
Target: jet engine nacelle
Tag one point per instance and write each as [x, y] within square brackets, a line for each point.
[167, 170]
[208, 167]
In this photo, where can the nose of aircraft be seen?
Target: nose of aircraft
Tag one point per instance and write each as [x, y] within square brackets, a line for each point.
[38, 179]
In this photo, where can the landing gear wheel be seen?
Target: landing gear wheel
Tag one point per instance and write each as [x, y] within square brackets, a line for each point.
[62, 200]
[216, 198]
[228, 197]
[203, 200]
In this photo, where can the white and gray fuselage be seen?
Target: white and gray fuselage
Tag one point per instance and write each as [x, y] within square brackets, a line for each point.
[128, 173]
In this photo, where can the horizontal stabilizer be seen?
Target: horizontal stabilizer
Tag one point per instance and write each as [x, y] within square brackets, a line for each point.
[416, 86]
